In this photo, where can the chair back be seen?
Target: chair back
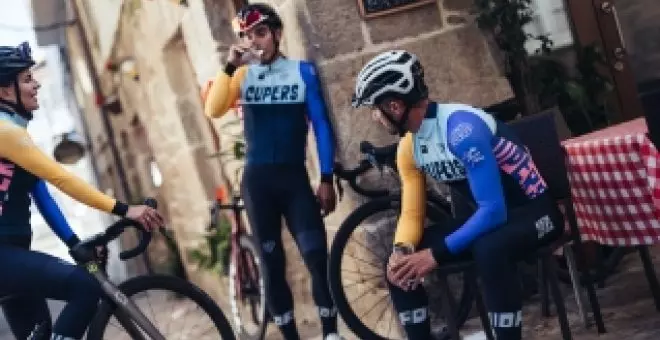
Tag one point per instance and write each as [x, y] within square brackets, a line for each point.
[539, 133]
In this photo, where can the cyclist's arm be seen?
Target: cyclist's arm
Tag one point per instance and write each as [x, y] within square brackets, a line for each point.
[316, 110]
[17, 146]
[225, 91]
[410, 226]
[52, 214]
[473, 146]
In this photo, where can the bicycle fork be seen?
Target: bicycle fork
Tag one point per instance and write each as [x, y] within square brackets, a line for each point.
[127, 312]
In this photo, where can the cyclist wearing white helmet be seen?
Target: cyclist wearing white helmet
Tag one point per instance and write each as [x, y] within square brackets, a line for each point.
[502, 208]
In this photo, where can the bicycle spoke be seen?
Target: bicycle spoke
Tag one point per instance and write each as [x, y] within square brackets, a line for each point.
[374, 306]
[367, 248]
[349, 284]
[375, 265]
[363, 294]
[370, 277]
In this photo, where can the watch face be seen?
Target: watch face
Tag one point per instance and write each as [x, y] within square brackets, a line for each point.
[404, 249]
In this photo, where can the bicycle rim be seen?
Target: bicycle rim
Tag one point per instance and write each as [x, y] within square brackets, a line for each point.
[173, 324]
[338, 271]
[249, 314]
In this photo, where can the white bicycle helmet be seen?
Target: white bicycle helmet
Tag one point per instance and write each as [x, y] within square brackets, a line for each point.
[396, 73]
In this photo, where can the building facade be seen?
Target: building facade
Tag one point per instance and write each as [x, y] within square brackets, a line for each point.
[151, 57]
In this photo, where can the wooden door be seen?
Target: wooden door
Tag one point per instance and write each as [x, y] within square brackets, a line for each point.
[597, 21]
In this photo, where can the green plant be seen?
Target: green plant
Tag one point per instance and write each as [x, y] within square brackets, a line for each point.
[216, 254]
[505, 19]
[540, 81]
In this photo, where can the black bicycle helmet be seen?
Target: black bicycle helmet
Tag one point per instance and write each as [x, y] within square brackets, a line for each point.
[14, 60]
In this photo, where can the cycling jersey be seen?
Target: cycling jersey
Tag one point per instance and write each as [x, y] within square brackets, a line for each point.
[456, 143]
[277, 99]
[22, 166]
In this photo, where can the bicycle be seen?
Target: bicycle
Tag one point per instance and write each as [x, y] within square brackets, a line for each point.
[247, 274]
[121, 302]
[384, 200]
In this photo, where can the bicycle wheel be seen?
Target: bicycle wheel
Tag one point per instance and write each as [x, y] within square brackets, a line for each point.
[249, 311]
[374, 268]
[165, 290]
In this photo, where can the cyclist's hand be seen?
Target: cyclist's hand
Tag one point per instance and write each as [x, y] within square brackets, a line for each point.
[326, 196]
[236, 54]
[394, 257]
[409, 270]
[145, 215]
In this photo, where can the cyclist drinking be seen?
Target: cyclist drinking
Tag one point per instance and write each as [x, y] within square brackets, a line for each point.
[32, 276]
[278, 96]
[502, 207]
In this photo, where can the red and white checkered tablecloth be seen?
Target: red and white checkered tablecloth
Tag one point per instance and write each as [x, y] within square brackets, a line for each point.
[615, 183]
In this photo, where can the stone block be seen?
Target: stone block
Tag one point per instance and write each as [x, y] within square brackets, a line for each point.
[336, 25]
[458, 5]
[407, 23]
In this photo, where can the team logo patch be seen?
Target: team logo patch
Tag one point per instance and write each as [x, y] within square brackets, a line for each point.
[460, 133]
[473, 156]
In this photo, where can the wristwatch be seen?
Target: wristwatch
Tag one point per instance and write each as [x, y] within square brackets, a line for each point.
[404, 248]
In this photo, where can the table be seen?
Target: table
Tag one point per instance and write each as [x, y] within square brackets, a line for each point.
[615, 185]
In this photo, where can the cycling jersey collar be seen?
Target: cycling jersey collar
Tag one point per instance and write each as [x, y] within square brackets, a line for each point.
[426, 129]
[14, 118]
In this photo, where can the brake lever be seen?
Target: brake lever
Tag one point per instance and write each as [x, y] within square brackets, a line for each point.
[340, 189]
[372, 159]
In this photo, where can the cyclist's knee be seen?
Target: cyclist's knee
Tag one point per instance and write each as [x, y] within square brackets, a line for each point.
[489, 254]
[83, 287]
[316, 260]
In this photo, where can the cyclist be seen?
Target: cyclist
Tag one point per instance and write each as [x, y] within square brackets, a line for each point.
[502, 207]
[278, 95]
[30, 275]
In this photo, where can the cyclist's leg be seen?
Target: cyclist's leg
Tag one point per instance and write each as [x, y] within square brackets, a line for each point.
[30, 273]
[303, 217]
[265, 215]
[412, 306]
[23, 313]
[497, 253]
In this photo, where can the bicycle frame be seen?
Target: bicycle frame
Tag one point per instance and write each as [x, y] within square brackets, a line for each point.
[127, 313]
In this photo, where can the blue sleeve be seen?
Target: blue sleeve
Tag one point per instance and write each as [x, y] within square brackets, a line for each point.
[470, 140]
[52, 213]
[316, 111]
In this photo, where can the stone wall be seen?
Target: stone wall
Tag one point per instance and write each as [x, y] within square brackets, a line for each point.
[178, 48]
[640, 26]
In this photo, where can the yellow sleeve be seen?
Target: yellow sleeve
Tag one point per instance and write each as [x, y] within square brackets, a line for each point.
[413, 195]
[17, 147]
[224, 92]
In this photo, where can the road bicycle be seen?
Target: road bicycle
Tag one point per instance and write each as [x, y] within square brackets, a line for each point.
[362, 246]
[121, 313]
[247, 274]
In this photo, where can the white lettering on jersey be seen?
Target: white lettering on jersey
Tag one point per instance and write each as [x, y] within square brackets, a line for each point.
[430, 144]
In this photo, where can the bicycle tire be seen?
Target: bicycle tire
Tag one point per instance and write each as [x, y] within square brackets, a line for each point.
[610, 263]
[248, 243]
[161, 282]
[348, 226]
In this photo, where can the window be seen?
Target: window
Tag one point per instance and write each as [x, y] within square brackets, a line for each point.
[550, 18]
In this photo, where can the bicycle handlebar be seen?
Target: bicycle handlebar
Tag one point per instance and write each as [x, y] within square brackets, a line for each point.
[114, 230]
[375, 157]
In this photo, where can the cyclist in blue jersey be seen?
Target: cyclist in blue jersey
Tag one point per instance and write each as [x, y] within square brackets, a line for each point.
[30, 276]
[501, 203]
[278, 97]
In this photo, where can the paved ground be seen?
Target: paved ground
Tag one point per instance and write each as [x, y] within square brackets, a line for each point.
[626, 301]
